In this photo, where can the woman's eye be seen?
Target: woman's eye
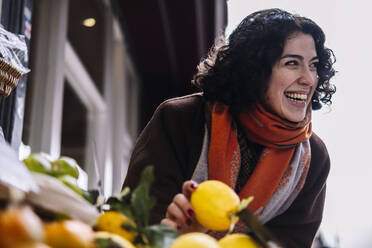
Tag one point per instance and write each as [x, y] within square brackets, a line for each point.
[291, 62]
[314, 65]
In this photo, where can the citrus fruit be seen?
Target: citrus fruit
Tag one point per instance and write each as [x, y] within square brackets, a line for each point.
[213, 203]
[38, 162]
[107, 239]
[69, 233]
[195, 240]
[18, 225]
[71, 182]
[237, 240]
[65, 166]
[112, 221]
[31, 245]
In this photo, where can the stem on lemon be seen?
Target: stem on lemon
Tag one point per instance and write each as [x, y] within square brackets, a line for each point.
[244, 203]
[232, 217]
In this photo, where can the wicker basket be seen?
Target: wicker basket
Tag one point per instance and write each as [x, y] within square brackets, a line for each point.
[9, 77]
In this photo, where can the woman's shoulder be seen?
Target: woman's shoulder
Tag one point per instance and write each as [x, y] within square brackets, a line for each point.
[320, 161]
[183, 102]
[188, 106]
[318, 148]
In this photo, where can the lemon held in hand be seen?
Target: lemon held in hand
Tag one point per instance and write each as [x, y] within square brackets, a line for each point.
[213, 203]
[113, 221]
[195, 240]
[237, 240]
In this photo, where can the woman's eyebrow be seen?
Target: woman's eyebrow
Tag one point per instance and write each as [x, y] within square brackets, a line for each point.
[297, 57]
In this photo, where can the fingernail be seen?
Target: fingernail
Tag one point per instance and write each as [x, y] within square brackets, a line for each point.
[194, 186]
[190, 212]
[179, 227]
[188, 222]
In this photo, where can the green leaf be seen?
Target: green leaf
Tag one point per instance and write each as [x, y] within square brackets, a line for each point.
[160, 236]
[141, 201]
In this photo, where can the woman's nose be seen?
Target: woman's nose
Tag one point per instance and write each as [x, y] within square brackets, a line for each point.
[308, 77]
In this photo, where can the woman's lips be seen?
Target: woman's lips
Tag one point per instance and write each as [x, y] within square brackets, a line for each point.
[297, 99]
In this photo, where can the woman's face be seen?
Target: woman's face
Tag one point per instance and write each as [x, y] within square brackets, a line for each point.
[293, 79]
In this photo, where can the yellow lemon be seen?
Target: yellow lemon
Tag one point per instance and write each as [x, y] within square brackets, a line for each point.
[213, 202]
[195, 240]
[69, 233]
[112, 221]
[112, 240]
[238, 240]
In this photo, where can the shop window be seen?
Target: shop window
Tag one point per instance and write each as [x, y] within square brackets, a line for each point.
[74, 126]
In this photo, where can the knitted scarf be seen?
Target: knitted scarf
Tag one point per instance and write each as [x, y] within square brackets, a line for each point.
[280, 138]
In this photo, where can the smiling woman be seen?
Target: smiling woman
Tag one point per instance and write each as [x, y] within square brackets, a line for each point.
[293, 79]
[249, 128]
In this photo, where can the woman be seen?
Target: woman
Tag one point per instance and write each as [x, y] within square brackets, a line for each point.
[250, 128]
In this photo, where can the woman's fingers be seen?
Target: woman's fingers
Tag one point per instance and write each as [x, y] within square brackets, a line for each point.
[170, 223]
[180, 214]
[176, 213]
[189, 187]
[184, 204]
[180, 210]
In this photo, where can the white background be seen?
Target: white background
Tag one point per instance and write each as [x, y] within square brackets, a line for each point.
[345, 126]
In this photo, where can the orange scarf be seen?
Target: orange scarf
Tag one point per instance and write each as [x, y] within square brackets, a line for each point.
[280, 138]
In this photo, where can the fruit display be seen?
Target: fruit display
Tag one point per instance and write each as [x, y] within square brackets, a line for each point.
[122, 221]
[129, 213]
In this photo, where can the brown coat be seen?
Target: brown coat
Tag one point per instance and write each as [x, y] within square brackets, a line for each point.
[172, 142]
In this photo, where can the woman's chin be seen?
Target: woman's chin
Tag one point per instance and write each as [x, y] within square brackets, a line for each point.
[295, 118]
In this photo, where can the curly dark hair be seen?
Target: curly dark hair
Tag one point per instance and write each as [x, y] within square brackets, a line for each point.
[237, 72]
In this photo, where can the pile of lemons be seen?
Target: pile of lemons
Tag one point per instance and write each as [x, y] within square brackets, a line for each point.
[215, 205]
[21, 227]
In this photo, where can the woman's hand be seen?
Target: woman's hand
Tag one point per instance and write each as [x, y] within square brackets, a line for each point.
[180, 214]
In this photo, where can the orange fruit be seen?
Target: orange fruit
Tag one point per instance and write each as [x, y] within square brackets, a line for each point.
[69, 233]
[19, 224]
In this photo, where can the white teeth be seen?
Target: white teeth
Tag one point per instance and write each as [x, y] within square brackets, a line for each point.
[296, 96]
